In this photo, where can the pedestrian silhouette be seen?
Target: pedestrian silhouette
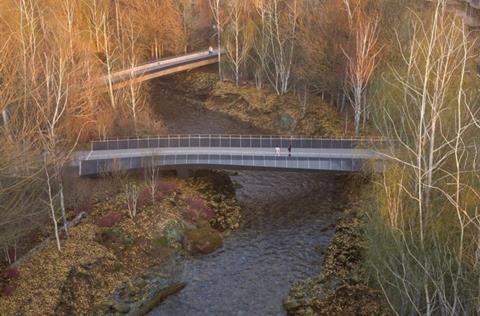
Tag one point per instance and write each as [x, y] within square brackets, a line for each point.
[290, 150]
[277, 151]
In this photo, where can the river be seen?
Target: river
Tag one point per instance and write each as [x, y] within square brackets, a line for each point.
[287, 219]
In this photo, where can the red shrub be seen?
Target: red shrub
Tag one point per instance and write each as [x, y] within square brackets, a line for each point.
[8, 290]
[109, 220]
[144, 198]
[207, 213]
[197, 209]
[166, 187]
[11, 273]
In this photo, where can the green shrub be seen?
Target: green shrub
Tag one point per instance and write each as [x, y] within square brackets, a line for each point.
[173, 232]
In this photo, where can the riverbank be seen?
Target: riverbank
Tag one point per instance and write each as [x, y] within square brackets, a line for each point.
[109, 251]
[342, 286]
[261, 109]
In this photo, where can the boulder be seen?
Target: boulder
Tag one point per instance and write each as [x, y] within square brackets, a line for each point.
[157, 298]
[121, 308]
[202, 240]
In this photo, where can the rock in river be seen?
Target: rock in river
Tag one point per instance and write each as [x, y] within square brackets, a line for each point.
[202, 240]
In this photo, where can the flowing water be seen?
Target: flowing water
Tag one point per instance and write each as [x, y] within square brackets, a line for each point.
[287, 219]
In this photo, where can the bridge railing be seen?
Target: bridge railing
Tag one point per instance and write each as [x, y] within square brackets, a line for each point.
[176, 161]
[232, 141]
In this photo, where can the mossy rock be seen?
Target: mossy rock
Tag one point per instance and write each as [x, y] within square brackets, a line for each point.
[110, 306]
[202, 240]
[157, 298]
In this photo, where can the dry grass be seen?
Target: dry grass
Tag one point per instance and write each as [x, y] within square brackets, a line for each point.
[282, 114]
[43, 275]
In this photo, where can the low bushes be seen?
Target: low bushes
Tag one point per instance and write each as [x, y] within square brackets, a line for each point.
[196, 209]
[173, 232]
[144, 198]
[167, 187]
[109, 220]
[8, 290]
[11, 273]
[8, 276]
[115, 237]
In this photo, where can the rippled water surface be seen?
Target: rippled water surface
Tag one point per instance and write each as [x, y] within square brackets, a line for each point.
[287, 217]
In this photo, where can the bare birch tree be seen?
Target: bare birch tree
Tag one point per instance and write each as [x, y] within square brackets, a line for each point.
[132, 192]
[281, 29]
[152, 178]
[362, 60]
[215, 6]
[239, 38]
[260, 46]
[431, 192]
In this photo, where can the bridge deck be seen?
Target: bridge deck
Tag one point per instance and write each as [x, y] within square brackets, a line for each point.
[161, 68]
[301, 152]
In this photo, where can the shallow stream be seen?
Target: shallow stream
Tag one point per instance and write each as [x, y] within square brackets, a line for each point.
[288, 219]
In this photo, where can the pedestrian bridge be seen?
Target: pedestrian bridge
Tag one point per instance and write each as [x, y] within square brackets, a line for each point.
[160, 68]
[238, 152]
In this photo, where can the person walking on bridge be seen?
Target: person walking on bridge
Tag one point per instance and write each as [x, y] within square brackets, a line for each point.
[277, 151]
[290, 150]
